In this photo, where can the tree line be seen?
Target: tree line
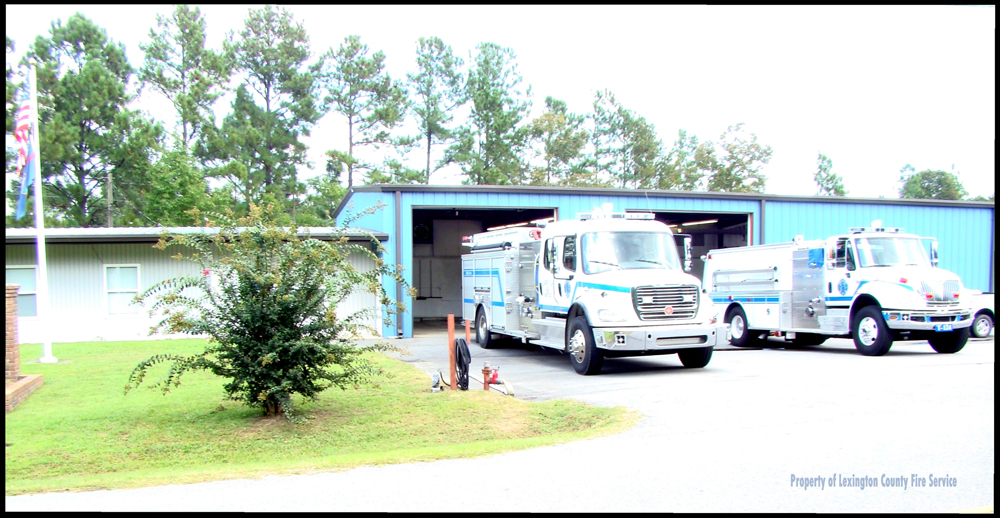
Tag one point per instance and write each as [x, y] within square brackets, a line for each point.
[104, 162]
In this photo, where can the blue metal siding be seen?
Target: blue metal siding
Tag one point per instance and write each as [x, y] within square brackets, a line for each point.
[567, 206]
[964, 233]
[383, 220]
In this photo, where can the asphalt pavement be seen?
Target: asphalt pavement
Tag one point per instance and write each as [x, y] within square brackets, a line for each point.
[748, 433]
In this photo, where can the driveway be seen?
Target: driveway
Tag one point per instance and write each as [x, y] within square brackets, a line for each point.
[727, 438]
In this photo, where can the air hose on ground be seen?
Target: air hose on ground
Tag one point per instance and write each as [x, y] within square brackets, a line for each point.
[462, 359]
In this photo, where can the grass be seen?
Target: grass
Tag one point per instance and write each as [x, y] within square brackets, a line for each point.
[80, 432]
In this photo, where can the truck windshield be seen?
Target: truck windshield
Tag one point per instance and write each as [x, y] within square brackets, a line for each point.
[890, 251]
[603, 251]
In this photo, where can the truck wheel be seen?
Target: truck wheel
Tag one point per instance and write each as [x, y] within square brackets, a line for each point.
[741, 335]
[695, 358]
[982, 325]
[871, 336]
[483, 336]
[949, 343]
[583, 353]
[807, 339]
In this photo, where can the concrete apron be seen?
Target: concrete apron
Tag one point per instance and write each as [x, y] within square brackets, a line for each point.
[529, 369]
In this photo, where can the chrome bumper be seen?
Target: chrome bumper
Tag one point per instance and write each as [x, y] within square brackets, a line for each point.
[926, 320]
[660, 338]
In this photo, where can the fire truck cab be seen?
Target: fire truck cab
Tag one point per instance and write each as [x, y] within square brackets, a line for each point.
[602, 285]
[874, 284]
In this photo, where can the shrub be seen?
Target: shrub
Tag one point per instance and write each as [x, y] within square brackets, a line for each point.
[267, 300]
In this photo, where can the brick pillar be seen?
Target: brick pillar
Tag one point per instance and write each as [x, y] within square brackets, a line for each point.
[12, 364]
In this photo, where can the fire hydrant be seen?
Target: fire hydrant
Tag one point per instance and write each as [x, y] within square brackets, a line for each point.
[486, 375]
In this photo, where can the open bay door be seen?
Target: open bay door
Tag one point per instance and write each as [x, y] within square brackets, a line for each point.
[437, 251]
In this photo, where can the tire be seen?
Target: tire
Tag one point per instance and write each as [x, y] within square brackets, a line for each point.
[871, 336]
[695, 358]
[806, 339]
[982, 325]
[583, 352]
[949, 343]
[483, 336]
[740, 333]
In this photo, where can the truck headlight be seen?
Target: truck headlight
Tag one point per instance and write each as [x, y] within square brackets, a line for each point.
[607, 315]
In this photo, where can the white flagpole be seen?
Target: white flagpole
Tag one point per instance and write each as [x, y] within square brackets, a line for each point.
[43, 274]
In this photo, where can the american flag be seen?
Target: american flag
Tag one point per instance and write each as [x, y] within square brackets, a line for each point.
[22, 133]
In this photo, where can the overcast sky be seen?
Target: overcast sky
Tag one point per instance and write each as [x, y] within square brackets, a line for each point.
[873, 88]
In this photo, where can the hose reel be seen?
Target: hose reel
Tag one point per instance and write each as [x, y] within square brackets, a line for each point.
[462, 359]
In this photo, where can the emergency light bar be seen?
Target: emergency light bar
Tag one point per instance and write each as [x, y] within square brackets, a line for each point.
[876, 227]
[615, 215]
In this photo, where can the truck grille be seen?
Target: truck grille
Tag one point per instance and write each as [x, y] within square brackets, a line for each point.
[683, 299]
[944, 293]
[942, 303]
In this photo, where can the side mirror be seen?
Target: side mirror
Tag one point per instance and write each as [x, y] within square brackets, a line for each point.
[687, 254]
[850, 260]
[934, 254]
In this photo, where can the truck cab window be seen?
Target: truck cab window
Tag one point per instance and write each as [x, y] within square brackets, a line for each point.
[569, 253]
[840, 256]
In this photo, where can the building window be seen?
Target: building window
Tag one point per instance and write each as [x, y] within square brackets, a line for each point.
[26, 294]
[121, 283]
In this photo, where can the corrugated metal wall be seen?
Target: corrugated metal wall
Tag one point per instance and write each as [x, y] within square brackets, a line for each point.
[360, 300]
[76, 289]
[964, 233]
[383, 220]
[567, 206]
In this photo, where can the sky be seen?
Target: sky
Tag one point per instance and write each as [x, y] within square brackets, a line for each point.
[871, 87]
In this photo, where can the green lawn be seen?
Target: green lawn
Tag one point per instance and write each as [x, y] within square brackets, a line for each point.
[79, 432]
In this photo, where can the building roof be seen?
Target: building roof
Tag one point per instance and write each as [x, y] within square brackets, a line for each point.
[152, 234]
[530, 189]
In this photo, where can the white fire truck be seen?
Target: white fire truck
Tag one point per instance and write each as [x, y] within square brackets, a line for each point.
[875, 284]
[603, 285]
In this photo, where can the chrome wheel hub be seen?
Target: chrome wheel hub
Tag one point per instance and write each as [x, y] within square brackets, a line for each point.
[868, 331]
[482, 330]
[738, 327]
[578, 346]
[982, 327]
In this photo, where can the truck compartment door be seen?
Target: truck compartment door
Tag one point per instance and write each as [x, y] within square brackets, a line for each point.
[808, 300]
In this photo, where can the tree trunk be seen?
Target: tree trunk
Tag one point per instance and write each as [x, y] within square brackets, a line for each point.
[428, 155]
[350, 151]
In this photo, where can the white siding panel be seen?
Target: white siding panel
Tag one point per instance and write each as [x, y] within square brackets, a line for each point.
[78, 300]
[361, 299]
[76, 286]
[20, 255]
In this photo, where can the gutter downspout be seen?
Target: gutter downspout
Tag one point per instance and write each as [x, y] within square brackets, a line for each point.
[763, 207]
[399, 261]
[993, 246]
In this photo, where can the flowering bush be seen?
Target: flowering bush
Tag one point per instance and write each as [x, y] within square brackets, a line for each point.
[267, 298]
